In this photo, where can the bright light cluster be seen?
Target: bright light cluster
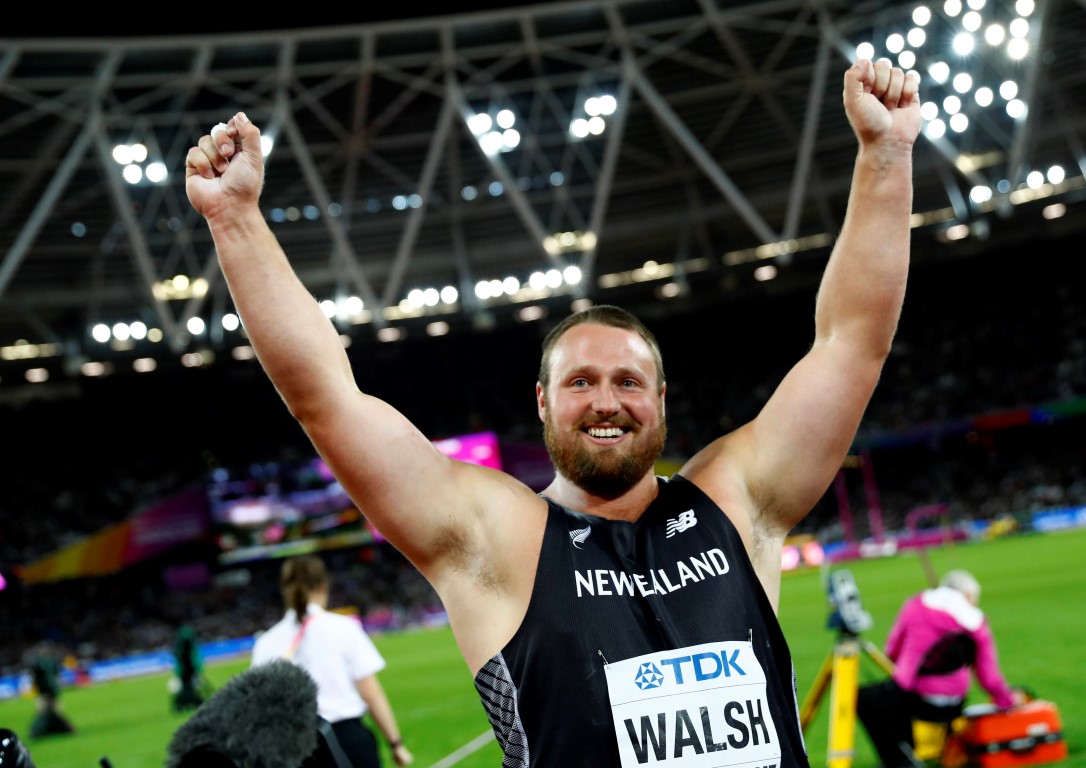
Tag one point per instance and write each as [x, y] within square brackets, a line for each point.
[134, 166]
[497, 133]
[970, 57]
[968, 54]
[593, 122]
[985, 45]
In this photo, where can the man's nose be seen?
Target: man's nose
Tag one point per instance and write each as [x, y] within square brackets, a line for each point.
[605, 400]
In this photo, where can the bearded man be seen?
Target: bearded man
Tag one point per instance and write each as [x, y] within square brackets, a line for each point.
[616, 619]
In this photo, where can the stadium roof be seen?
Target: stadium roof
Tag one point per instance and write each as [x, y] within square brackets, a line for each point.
[728, 153]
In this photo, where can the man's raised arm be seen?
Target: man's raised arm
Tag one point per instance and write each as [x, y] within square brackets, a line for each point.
[806, 428]
[773, 470]
[390, 469]
[294, 341]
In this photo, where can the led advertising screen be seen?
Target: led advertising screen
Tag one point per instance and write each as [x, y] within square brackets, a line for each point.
[282, 509]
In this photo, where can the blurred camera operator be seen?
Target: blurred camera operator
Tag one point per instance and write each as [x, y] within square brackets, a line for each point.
[939, 639]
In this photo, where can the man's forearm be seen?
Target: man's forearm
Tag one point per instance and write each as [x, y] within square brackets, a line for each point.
[863, 286]
[294, 341]
[880, 204]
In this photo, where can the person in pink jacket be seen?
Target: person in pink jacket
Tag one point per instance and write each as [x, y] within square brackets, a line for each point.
[939, 639]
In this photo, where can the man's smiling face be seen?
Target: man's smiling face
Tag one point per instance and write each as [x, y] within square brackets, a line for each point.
[603, 411]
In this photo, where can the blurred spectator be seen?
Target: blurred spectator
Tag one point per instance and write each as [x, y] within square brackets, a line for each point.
[954, 358]
[192, 687]
[45, 673]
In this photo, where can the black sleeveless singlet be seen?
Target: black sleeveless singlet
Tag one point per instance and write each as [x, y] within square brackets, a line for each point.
[610, 590]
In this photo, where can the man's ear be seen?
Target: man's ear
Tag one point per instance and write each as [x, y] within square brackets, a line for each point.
[540, 401]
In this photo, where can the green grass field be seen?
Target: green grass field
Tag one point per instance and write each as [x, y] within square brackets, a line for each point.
[1034, 592]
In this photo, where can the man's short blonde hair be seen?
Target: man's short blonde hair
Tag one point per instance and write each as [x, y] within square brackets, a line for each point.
[602, 314]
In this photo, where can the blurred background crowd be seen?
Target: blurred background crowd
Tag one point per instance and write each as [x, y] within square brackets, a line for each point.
[980, 410]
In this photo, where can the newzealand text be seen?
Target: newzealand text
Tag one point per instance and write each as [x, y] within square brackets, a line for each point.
[603, 582]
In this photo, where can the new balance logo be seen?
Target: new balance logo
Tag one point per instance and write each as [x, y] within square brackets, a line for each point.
[683, 522]
[579, 535]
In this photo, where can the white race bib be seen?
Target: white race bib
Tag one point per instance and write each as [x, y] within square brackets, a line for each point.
[699, 707]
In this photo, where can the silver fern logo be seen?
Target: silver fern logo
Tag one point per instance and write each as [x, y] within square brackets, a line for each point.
[579, 535]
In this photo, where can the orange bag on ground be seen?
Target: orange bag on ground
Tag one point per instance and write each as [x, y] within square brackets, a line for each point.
[985, 737]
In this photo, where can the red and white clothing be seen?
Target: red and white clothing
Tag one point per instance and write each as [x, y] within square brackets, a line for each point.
[333, 648]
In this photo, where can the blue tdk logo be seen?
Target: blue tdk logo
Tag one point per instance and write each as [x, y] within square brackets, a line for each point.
[689, 669]
[648, 676]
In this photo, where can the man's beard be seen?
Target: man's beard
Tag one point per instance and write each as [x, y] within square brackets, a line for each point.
[602, 472]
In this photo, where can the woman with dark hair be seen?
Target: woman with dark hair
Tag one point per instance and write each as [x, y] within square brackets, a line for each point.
[337, 652]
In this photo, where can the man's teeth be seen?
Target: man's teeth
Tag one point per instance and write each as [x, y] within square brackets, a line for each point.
[605, 432]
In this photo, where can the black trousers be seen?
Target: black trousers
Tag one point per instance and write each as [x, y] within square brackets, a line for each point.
[357, 742]
[887, 713]
[49, 720]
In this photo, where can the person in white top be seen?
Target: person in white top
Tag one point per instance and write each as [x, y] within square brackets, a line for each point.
[341, 658]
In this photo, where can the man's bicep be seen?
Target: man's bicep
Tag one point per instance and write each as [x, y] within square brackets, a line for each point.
[411, 492]
[800, 438]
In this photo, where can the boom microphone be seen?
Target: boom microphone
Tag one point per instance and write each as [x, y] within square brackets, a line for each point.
[264, 717]
[13, 752]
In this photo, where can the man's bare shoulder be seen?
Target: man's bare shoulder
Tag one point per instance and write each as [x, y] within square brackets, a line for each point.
[488, 565]
[496, 488]
[718, 468]
[507, 523]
